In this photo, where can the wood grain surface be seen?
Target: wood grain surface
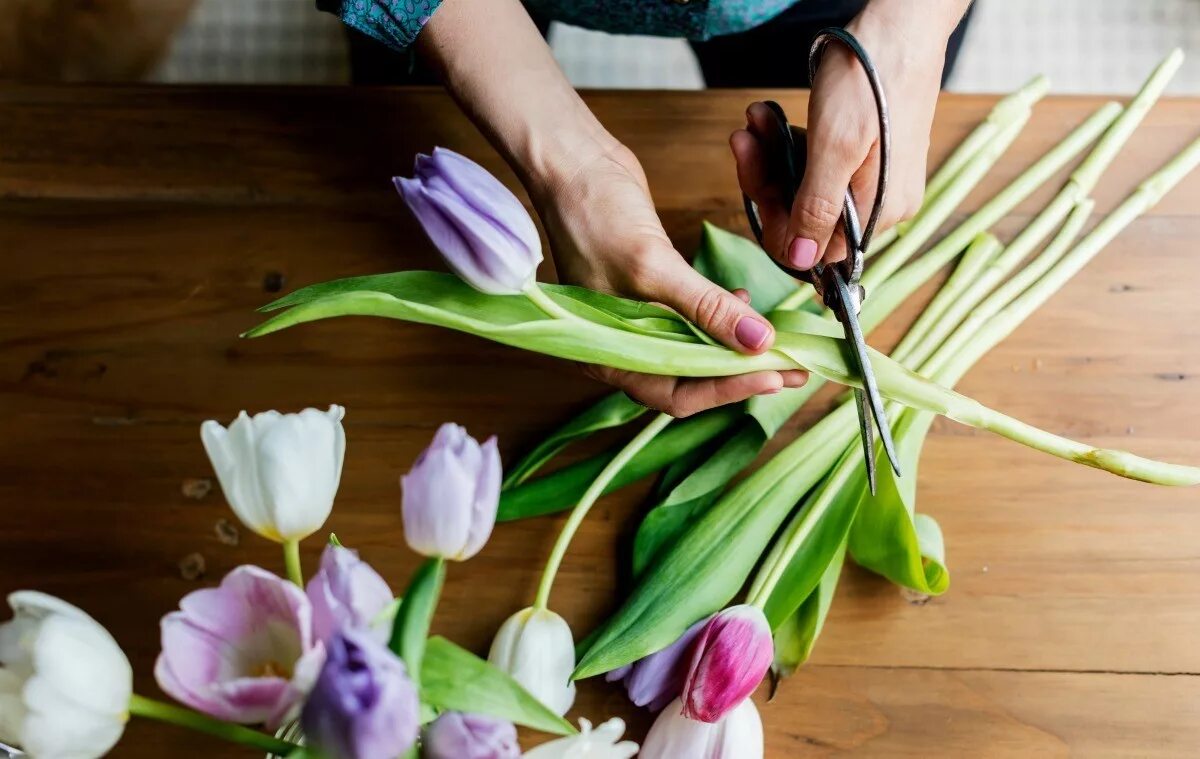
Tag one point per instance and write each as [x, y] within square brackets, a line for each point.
[141, 227]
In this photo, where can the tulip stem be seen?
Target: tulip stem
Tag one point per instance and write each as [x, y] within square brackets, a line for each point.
[291, 560]
[590, 496]
[177, 715]
[543, 301]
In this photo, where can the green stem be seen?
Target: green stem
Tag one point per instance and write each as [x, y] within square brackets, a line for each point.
[291, 561]
[177, 715]
[544, 301]
[590, 496]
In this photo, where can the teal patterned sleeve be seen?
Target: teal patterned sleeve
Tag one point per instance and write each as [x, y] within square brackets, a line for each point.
[395, 23]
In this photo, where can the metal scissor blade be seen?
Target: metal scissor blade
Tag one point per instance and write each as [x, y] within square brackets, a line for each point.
[868, 437]
[870, 388]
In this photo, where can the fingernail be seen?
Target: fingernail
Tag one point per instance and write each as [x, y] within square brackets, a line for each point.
[751, 333]
[772, 391]
[802, 253]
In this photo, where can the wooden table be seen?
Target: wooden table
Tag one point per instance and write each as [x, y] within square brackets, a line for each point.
[140, 227]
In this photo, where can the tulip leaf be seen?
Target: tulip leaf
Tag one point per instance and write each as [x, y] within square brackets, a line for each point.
[612, 410]
[796, 637]
[562, 489]
[411, 626]
[888, 537]
[453, 678]
[734, 262]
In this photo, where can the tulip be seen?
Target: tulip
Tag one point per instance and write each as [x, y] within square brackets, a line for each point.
[347, 592]
[364, 706]
[656, 680]
[65, 685]
[455, 735]
[279, 471]
[451, 494]
[486, 236]
[729, 659]
[242, 652]
[739, 735]
[535, 647]
[600, 743]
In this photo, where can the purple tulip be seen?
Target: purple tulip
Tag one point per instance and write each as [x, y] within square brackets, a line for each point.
[347, 592]
[656, 680]
[451, 495]
[363, 705]
[478, 225]
[242, 652]
[729, 659]
[455, 735]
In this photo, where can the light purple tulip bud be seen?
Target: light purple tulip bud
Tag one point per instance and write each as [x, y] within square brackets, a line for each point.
[455, 735]
[481, 229]
[656, 680]
[243, 651]
[451, 495]
[363, 705]
[729, 659]
[347, 592]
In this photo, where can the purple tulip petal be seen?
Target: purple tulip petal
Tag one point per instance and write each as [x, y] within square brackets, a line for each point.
[346, 592]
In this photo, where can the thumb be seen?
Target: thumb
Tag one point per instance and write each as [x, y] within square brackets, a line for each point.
[817, 209]
[718, 312]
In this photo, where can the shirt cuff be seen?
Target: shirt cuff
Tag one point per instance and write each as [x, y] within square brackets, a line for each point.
[395, 23]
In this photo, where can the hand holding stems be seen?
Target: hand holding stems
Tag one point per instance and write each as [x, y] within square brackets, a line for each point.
[908, 45]
[591, 194]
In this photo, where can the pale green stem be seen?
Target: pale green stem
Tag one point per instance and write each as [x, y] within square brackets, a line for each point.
[1000, 205]
[589, 498]
[802, 295]
[549, 306]
[202, 723]
[291, 561]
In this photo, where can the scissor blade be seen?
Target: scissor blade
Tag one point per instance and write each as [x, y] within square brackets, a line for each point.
[870, 388]
[868, 438]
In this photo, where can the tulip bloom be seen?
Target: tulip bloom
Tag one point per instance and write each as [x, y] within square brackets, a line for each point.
[601, 743]
[347, 592]
[656, 680]
[363, 705]
[65, 685]
[739, 735]
[451, 494]
[455, 735]
[486, 236]
[535, 647]
[279, 471]
[730, 658]
[242, 652]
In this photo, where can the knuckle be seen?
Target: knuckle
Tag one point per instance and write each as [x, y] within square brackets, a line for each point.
[815, 212]
[712, 308]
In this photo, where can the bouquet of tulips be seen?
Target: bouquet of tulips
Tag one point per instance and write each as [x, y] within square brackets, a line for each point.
[783, 532]
[338, 668]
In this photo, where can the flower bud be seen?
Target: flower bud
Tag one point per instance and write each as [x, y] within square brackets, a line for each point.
[450, 496]
[739, 735]
[363, 705]
[729, 659]
[455, 735]
[347, 592]
[484, 233]
[535, 647]
[656, 680]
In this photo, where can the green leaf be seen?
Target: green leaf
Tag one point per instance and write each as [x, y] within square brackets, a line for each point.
[734, 262]
[797, 636]
[562, 489]
[612, 410]
[454, 679]
[411, 626]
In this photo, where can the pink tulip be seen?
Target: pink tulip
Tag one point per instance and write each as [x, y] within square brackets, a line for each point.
[244, 651]
[729, 659]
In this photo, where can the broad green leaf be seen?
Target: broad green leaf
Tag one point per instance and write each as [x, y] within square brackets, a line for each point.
[411, 626]
[612, 410]
[454, 679]
[796, 637]
[735, 263]
[562, 489]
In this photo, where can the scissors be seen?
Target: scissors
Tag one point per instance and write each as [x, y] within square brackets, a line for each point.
[838, 283]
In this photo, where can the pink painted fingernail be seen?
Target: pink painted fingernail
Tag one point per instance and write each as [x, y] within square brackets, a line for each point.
[802, 253]
[751, 333]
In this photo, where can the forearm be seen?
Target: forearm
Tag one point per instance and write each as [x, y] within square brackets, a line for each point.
[918, 22]
[498, 67]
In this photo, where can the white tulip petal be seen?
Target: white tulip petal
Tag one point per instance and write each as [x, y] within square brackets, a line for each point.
[78, 661]
[600, 743]
[535, 647]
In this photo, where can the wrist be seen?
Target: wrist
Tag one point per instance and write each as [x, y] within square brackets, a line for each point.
[923, 26]
[551, 152]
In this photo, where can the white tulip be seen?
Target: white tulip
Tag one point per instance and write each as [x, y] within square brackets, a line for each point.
[279, 472]
[600, 743]
[535, 647]
[739, 735]
[65, 685]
